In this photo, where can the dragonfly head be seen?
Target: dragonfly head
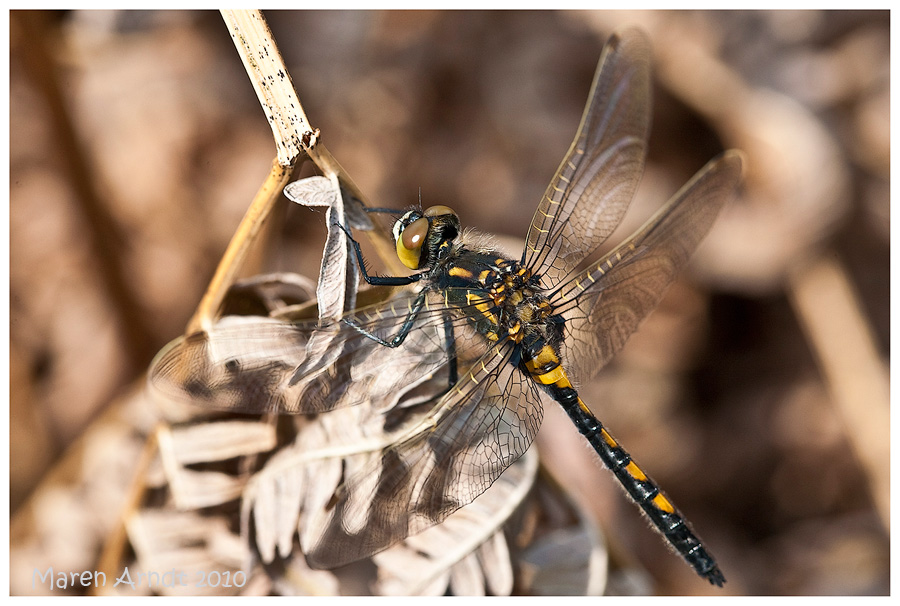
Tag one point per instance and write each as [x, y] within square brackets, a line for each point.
[423, 237]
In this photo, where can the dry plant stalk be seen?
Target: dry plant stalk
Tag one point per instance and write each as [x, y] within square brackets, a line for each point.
[294, 138]
[240, 246]
[268, 73]
[842, 340]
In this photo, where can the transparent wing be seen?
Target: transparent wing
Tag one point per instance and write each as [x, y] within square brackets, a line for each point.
[594, 185]
[257, 365]
[474, 432]
[605, 304]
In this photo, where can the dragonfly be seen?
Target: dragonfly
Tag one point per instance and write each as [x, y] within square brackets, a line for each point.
[502, 337]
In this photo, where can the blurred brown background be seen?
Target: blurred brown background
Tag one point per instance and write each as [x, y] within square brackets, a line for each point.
[136, 144]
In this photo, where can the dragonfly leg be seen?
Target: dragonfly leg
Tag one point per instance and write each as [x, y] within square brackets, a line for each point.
[401, 335]
[450, 347]
[377, 280]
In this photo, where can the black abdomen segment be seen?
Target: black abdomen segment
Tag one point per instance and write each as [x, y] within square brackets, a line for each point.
[637, 484]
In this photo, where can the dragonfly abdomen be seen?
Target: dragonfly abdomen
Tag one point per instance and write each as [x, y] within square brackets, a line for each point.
[543, 366]
[661, 512]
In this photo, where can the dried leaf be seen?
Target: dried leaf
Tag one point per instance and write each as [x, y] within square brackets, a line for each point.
[168, 540]
[414, 566]
[199, 489]
[564, 562]
[466, 577]
[201, 370]
[264, 294]
[221, 440]
[494, 557]
[338, 274]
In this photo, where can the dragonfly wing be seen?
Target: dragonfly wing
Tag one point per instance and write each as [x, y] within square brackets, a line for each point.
[236, 365]
[349, 368]
[605, 304]
[479, 428]
[258, 365]
[352, 368]
[594, 185]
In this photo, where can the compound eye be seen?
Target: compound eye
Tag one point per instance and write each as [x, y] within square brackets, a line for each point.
[437, 211]
[409, 244]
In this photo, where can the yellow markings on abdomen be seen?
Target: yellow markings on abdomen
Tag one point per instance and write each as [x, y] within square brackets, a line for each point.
[663, 503]
[635, 471]
[545, 356]
[610, 441]
[485, 306]
[555, 376]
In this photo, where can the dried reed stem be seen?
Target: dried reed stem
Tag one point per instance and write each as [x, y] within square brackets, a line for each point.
[842, 339]
[114, 545]
[293, 138]
[269, 76]
[240, 246]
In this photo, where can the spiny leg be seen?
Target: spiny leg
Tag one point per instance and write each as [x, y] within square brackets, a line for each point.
[377, 280]
[401, 335]
[450, 347]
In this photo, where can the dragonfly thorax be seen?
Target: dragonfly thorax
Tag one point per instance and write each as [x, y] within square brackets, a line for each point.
[502, 298]
[522, 299]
